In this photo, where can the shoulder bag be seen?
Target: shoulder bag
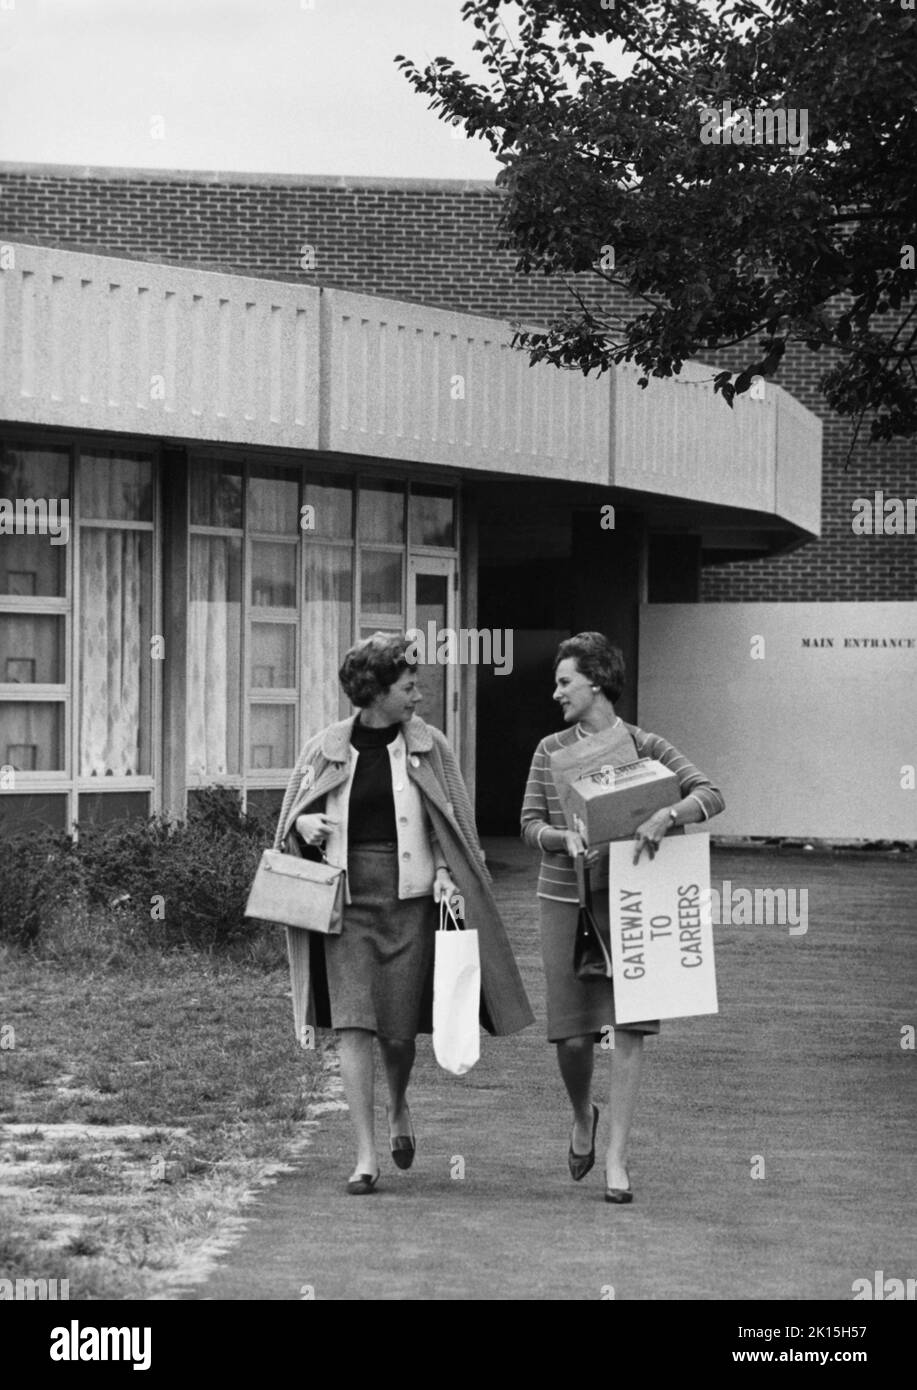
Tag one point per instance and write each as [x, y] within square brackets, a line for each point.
[591, 950]
[298, 893]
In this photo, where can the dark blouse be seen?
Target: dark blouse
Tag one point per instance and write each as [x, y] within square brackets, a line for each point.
[371, 815]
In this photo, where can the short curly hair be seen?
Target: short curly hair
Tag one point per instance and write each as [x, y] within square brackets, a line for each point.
[600, 661]
[372, 666]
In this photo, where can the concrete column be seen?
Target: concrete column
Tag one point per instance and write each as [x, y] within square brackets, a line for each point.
[175, 622]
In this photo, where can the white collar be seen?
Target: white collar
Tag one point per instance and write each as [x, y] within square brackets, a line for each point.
[581, 733]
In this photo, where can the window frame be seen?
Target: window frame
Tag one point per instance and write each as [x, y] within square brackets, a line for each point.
[306, 469]
[68, 782]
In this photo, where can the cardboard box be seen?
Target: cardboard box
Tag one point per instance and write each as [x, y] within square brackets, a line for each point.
[609, 803]
[612, 746]
[661, 931]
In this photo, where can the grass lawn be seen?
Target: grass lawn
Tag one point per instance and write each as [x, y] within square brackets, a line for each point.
[143, 1093]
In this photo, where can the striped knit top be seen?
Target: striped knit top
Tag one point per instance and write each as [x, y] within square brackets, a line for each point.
[541, 807]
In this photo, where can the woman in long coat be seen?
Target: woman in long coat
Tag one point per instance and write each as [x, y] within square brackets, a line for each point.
[406, 841]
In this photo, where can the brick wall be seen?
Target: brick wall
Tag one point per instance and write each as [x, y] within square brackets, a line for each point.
[437, 244]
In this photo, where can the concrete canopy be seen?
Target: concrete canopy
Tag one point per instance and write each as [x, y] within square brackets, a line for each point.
[107, 343]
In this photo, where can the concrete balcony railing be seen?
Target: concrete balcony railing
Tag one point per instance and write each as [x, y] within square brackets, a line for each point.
[104, 343]
[411, 382]
[678, 438]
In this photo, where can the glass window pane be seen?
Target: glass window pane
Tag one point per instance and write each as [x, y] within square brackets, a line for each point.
[382, 513]
[380, 584]
[32, 736]
[273, 575]
[21, 813]
[327, 628]
[273, 501]
[432, 600]
[432, 516]
[30, 565]
[214, 655]
[34, 472]
[264, 805]
[216, 494]
[332, 504]
[104, 808]
[32, 649]
[116, 602]
[273, 656]
[116, 486]
[271, 730]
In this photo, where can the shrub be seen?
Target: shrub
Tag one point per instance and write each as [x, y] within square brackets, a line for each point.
[180, 883]
[38, 876]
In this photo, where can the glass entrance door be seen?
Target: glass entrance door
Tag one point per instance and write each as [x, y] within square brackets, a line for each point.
[431, 610]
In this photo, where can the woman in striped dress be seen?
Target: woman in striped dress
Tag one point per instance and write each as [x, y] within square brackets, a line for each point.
[589, 677]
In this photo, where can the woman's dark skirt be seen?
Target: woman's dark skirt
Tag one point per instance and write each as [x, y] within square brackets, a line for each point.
[575, 1009]
[379, 971]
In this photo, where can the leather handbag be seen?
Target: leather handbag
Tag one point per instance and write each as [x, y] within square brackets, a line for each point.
[591, 948]
[298, 893]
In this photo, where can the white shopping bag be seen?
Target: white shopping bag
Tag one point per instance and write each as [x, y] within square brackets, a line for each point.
[456, 994]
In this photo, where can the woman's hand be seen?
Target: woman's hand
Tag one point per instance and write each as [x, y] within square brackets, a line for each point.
[444, 888]
[649, 835]
[574, 844]
[314, 828]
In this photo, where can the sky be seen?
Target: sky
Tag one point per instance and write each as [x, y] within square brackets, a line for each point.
[277, 86]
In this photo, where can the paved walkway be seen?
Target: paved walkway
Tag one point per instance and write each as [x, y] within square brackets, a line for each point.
[803, 1068]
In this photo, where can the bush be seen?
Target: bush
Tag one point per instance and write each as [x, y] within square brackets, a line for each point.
[38, 877]
[173, 884]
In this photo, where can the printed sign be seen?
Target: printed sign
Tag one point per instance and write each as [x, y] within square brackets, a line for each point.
[661, 932]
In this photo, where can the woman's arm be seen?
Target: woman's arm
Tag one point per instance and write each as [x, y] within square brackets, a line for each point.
[457, 793]
[700, 798]
[692, 783]
[535, 812]
[537, 829]
[293, 785]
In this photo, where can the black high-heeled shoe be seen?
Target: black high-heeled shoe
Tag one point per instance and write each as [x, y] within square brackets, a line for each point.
[619, 1195]
[362, 1184]
[581, 1164]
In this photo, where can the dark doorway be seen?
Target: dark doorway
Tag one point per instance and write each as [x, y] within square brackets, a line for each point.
[546, 569]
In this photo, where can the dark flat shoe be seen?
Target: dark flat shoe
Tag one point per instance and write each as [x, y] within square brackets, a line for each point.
[581, 1164]
[404, 1147]
[619, 1195]
[362, 1184]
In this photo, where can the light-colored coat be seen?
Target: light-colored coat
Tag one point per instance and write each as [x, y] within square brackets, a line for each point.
[324, 765]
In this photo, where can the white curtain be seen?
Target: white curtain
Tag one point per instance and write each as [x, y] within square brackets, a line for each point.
[115, 487]
[111, 633]
[273, 505]
[213, 656]
[326, 633]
